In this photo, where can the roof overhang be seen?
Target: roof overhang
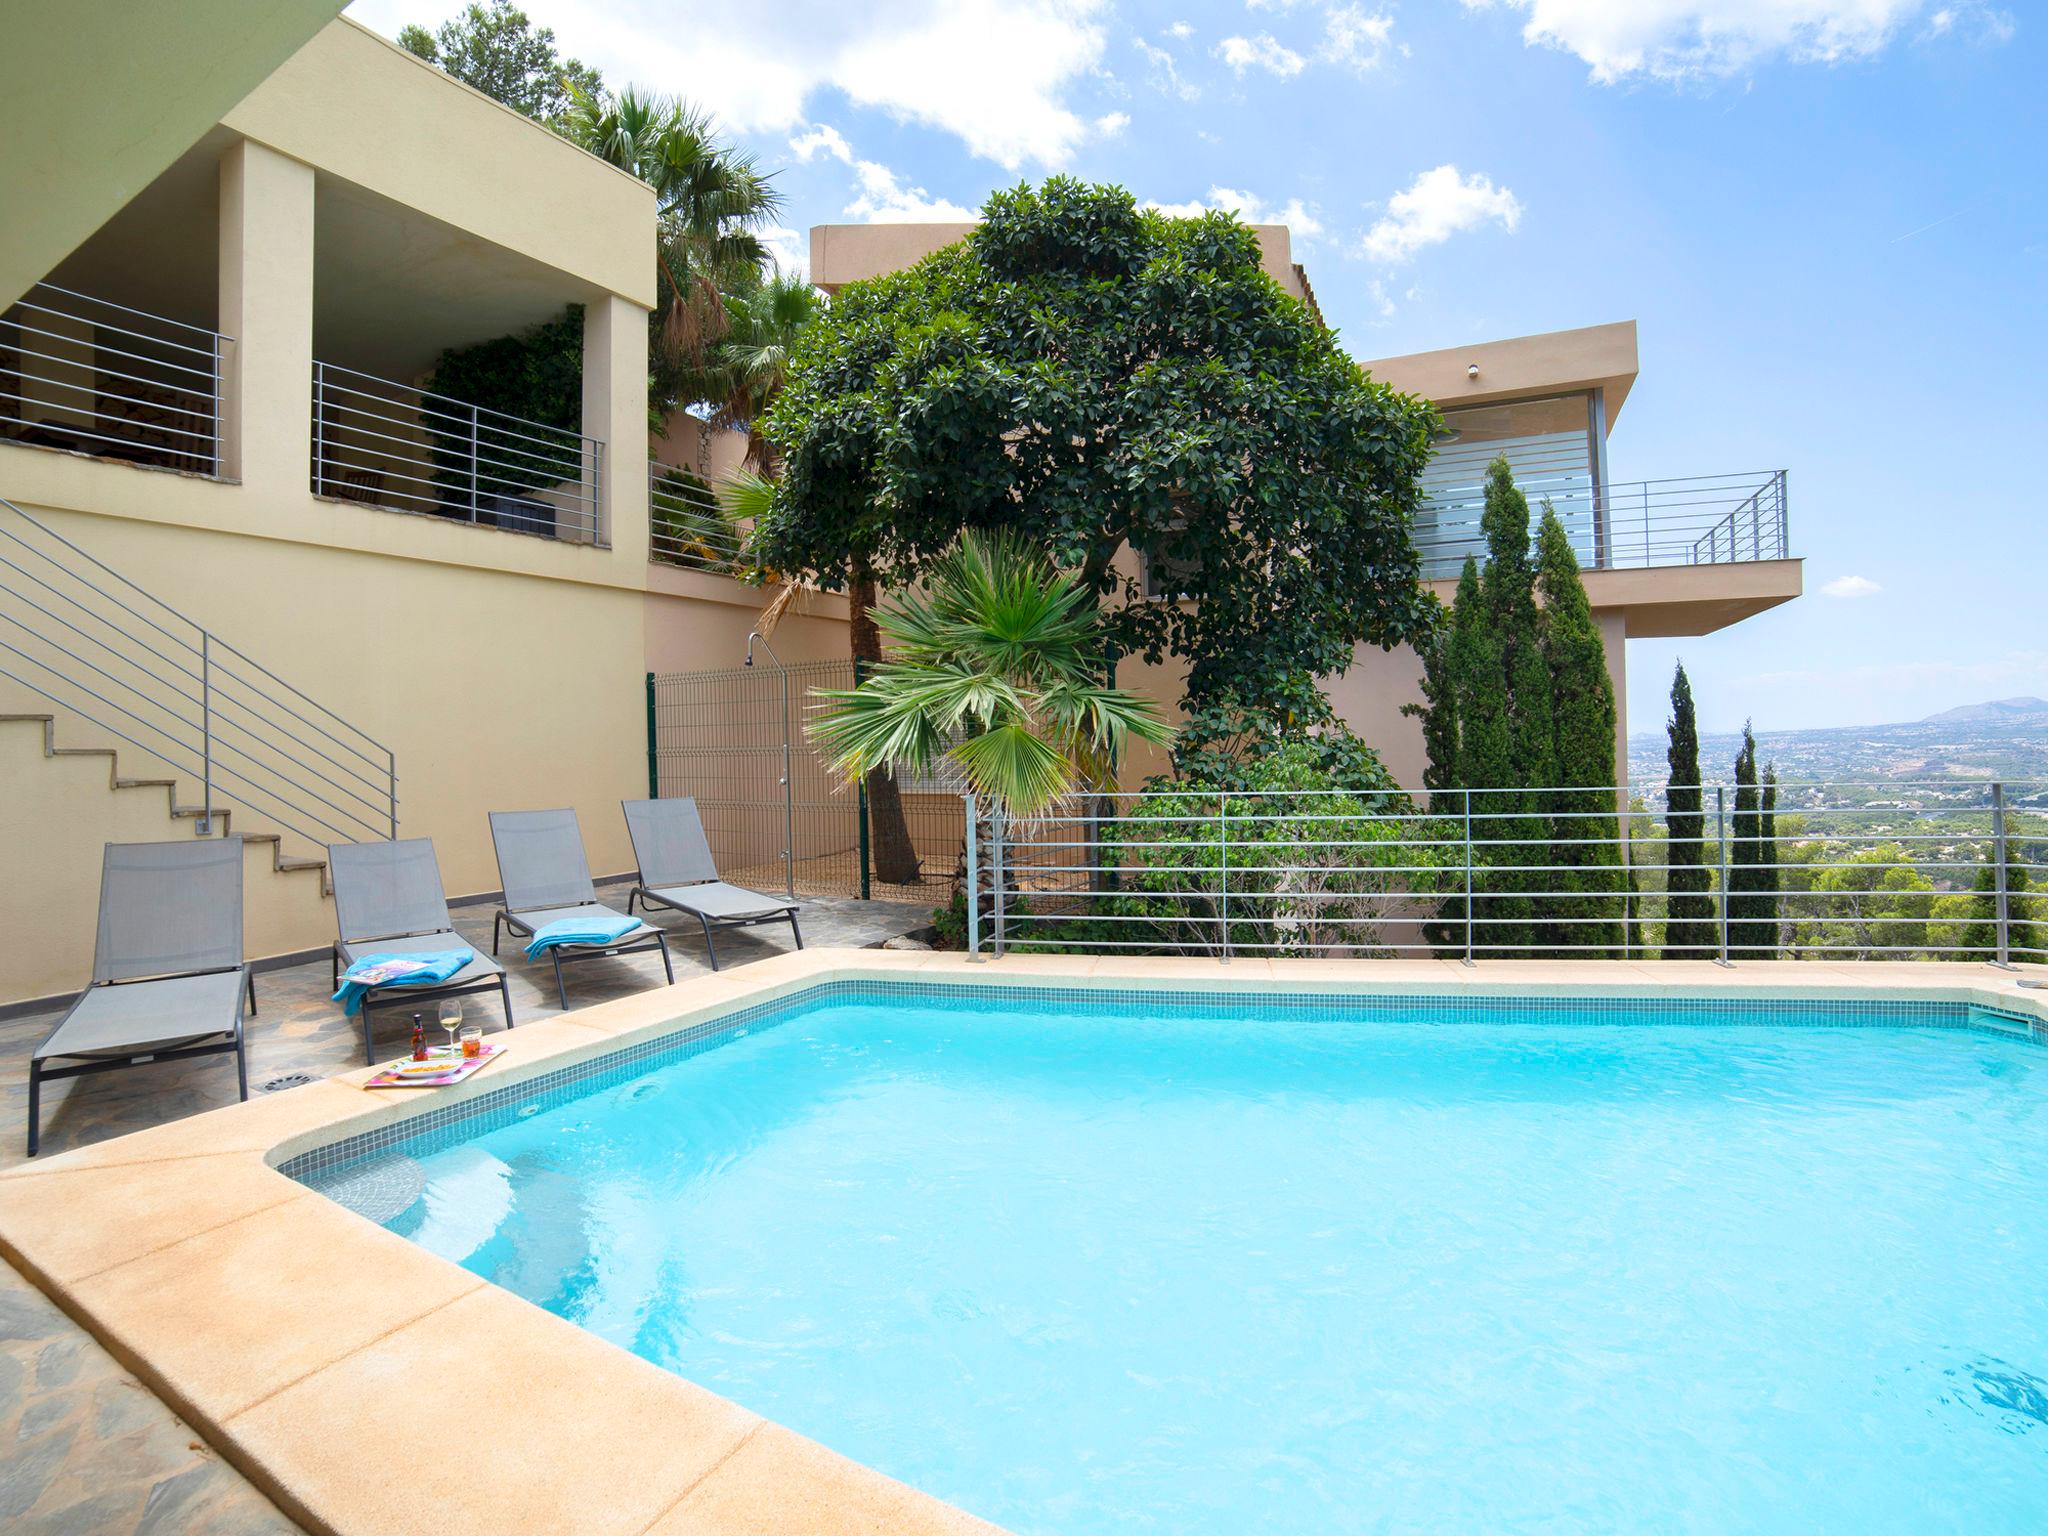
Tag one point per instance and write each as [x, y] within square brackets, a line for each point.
[1521, 367]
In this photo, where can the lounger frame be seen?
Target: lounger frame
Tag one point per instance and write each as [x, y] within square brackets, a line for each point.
[695, 866]
[567, 887]
[418, 913]
[126, 953]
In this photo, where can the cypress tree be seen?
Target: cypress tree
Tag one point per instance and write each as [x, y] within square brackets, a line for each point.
[1438, 710]
[1439, 715]
[1770, 878]
[1689, 909]
[1586, 833]
[1485, 762]
[1509, 590]
[1980, 935]
[1747, 906]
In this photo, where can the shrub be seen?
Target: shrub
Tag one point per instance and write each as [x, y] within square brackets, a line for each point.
[1318, 862]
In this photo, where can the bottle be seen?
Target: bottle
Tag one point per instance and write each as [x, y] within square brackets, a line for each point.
[419, 1039]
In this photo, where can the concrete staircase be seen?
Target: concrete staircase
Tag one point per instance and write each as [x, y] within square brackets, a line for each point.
[60, 803]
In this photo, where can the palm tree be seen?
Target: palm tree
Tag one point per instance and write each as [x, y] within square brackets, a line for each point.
[996, 670]
[749, 365]
[711, 202]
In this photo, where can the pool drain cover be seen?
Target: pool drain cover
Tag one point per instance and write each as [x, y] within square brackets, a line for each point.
[289, 1080]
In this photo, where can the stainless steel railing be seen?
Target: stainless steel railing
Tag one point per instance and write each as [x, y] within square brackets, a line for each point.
[89, 375]
[1696, 520]
[79, 634]
[392, 445]
[689, 528]
[1933, 870]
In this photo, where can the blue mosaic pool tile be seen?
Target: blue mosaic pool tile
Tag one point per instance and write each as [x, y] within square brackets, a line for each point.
[420, 1135]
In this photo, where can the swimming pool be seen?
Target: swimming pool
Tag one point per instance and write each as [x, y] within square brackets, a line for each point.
[1084, 1262]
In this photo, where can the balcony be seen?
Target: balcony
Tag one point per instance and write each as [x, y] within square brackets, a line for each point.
[86, 375]
[1633, 525]
[689, 528]
[395, 446]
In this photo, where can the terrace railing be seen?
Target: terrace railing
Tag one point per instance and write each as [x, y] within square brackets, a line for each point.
[688, 526]
[82, 636]
[392, 445]
[1940, 870]
[1699, 520]
[92, 376]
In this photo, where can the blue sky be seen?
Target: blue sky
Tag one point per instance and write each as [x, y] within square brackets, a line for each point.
[1826, 215]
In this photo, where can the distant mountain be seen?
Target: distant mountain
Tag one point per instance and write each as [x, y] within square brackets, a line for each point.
[2004, 739]
[1996, 709]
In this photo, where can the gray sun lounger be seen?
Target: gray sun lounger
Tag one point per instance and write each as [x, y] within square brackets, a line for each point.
[168, 973]
[547, 879]
[388, 900]
[678, 872]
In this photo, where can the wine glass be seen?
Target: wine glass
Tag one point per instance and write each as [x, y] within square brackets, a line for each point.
[451, 1019]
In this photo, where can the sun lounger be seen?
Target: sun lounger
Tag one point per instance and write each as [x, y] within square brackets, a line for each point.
[168, 974]
[388, 900]
[547, 880]
[678, 872]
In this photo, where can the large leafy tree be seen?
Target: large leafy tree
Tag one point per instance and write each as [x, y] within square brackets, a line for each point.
[1689, 911]
[712, 204]
[496, 48]
[1107, 380]
[1582, 716]
[995, 667]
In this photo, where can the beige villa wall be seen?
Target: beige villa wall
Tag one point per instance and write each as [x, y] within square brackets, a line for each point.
[56, 816]
[1369, 697]
[364, 110]
[156, 80]
[497, 690]
[505, 671]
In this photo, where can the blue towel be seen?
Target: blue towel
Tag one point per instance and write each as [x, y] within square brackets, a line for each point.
[597, 928]
[384, 970]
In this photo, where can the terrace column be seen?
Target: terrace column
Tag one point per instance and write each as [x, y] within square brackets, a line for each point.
[615, 413]
[266, 308]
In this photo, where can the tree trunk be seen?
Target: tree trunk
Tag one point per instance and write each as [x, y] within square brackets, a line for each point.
[889, 834]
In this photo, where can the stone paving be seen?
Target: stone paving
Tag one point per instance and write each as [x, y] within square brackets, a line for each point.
[84, 1446]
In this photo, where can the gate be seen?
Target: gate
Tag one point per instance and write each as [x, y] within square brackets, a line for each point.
[719, 736]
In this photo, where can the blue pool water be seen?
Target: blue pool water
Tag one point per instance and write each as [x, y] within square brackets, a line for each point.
[1328, 1268]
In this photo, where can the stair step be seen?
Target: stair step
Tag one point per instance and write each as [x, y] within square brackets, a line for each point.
[291, 863]
[145, 783]
[45, 719]
[80, 752]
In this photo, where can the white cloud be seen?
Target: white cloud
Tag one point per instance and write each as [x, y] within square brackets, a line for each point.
[791, 248]
[1851, 586]
[883, 198]
[1355, 38]
[1181, 30]
[1110, 124]
[997, 74]
[823, 139]
[1262, 52]
[1163, 73]
[1682, 39]
[1300, 218]
[1435, 206]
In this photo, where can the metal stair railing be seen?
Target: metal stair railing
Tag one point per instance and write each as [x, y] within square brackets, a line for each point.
[76, 632]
